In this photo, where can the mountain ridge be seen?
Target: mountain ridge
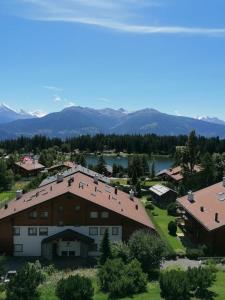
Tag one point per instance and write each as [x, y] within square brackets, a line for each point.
[77, 120]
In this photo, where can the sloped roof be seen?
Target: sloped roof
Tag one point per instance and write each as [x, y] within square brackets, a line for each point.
[76, 168]
[84, 187]
[69, 233]
[212, 200]
[160, 190]
[30, 165]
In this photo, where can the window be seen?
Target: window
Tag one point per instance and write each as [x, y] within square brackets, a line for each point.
[18, 247]
[32, 231]
[77, 207]
[102, 230]
[93, 214]
[43, 231]
[104, 214]
[60, 209]
[16, 231]
[93, 231]
[115, 230]
[44, 214]
[33, 214]
[60, 223]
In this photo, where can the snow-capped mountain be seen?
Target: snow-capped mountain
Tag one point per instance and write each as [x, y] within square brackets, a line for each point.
[8, 114]
[213, 120]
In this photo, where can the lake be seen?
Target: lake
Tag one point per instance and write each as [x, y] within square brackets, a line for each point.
[161, 162]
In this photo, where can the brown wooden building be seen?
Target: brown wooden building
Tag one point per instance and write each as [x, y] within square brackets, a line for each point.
[28, 168]
[204, 216]
[68, 217]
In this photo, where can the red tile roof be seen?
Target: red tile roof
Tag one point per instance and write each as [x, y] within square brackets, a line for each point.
[176, 173]
[30, 165]
[104, 196]
[212, 200]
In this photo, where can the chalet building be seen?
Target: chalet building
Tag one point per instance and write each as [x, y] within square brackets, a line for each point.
[28, 167]
[162, 195]
[68, 217]
[174, 174]
[204, 216]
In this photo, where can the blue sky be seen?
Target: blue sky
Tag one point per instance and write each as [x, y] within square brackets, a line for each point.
[164, 54]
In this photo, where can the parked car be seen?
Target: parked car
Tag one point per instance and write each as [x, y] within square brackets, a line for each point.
[9, 276]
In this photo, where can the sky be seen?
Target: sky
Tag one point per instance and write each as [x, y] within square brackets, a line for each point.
[163, 54]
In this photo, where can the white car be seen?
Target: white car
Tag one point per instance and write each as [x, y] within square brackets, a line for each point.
[9, 275]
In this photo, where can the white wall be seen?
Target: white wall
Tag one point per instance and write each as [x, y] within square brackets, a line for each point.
[32, 244]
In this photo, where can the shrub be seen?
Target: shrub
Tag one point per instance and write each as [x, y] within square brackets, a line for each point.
[174, 284]
[172, 209]
[195, 253]
[172, 228]
[149, 206]
[148, 249]
[121, 250]
[2, 265]
[149, 198]
[200, 280]
[105, 248]
[120, 279]
[75, 288]
[24, 284]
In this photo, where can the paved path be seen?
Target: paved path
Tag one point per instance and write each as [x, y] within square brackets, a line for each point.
[182, 262]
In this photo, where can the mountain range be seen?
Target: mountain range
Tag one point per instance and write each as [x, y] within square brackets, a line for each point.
[76, 120]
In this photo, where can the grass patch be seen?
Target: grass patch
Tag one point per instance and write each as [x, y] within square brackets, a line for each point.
[9, 195]
[161, 219]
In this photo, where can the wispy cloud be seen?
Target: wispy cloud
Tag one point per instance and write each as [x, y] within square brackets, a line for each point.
[52, 88]
[120, 15]
[57, 98]
[105, 100]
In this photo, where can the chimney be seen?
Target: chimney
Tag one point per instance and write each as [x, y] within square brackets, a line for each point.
[116, 190]
[224, 181]
[6, 206]
[190, 196]
[69, 182]
[136, 206]
[131, 194]
[96, 179]
[217, 217]
[202, 208]
[59, 177]
[19, 194]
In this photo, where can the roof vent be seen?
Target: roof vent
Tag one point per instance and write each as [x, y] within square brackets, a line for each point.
[59, 177]
[190, 196]
[116, 190]
[96, 179]
[217, 217]
[131, 194]
[223, 181]
[202, 208]
[221, 196]
[136, 206]
[19, 194]
[6, 206]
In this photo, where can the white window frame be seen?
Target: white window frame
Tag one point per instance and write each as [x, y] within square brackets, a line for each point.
[94, 215]
[16, 250]
[115, 228]
[43, 228]
[30, 229]
[14, 231]
[104, 214]
[44, 214]
[93, 228]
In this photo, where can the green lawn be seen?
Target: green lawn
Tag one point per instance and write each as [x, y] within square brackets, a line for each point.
[47, 290]
[153, 291]
[8, 195]
[161, 219]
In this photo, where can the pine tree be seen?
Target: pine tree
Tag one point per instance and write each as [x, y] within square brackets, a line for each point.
[105, 248]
